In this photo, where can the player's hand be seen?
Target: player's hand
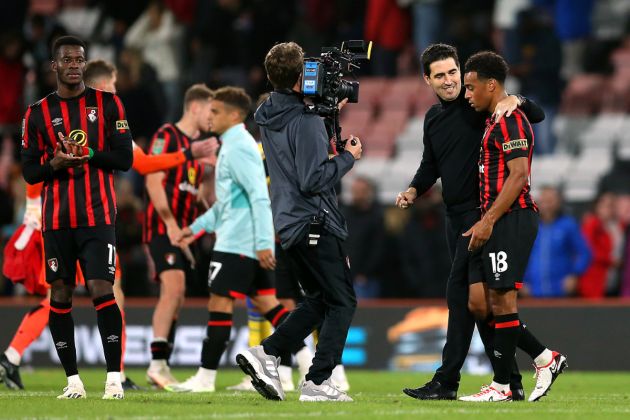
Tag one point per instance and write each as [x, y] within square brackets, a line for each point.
[405, 199]
[479, 234]
[63, 160]
[204, 148]
[356, 149]
[505, 107]
[266, 259]
[174, 233]
[71, 147]
[186, 237]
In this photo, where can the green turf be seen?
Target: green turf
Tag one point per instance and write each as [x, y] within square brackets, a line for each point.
[377, 395]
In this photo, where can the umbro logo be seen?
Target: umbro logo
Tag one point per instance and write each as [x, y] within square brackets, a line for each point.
[61, 345]
[57, 121]
[497, 354]
[112, 339]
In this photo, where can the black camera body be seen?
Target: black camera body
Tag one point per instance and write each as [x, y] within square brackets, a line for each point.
[323, 83]
[322, 77]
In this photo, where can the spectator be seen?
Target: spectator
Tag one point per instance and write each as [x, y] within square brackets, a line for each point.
[504, 19]
[157, 35]
[388, 27]
[221, 44]
[622, 208]
[12, 72]
[604, 235]
[573, 26]
[367, 236]
[560, 254]
[537, 65]
[427, 22]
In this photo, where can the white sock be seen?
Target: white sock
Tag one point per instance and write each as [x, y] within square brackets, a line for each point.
[113, 377]
[544, 358]
[13, 355]
[304, 359]
[339, 373]
[285, 373]
[158, 364]
[207, 376]
[500, 387]
[75, 380]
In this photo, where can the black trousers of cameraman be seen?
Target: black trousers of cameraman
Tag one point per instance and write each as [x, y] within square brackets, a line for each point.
[461, 323]
[329, 300]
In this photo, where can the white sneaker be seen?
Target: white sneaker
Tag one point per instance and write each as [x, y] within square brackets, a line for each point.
[339, 378]
[160, 376]
[192, 384]
[263, 369]
[488, 394]
[286, 378]
[72, 392]
[546, 375]
[326, 391]
[113, 391]
[244, 385]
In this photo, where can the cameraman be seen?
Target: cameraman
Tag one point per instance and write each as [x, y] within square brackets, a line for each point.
[311, 229]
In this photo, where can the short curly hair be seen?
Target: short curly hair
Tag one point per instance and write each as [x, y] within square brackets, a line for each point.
[488, 65]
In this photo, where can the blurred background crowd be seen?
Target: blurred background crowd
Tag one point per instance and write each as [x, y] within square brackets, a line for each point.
[571, 56]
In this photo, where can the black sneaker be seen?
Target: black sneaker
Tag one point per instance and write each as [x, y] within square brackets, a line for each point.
[129, 385]
[518, 393]
[10, 374]
[432, 390]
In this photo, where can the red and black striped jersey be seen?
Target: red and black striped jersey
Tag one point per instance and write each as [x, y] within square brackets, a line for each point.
[181, 183]
[512, 137]
[83, 196]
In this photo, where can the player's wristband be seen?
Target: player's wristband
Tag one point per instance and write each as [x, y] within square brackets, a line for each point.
[88, 151]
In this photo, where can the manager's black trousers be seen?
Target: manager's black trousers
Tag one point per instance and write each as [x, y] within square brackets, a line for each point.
[329, 300]
[461, 322]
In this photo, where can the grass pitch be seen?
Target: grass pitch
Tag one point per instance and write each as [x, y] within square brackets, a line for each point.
[377, 395]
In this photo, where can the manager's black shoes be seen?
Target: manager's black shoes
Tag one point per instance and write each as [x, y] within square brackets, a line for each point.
[432, 390]
[129, 385]
[10, 374]
[518, 393]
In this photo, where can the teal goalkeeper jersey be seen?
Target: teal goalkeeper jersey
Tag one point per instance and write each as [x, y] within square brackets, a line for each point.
[241, 215]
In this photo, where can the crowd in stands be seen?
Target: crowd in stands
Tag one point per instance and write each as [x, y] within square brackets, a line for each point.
[571, 56]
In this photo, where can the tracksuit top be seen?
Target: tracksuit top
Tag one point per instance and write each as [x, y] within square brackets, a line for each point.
[241, 215]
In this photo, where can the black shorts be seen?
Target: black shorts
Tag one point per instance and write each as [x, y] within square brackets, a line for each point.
[506, 254]
[466, 266]
[166, 256]
[287, 284]
[94, 248]
[238, 276]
